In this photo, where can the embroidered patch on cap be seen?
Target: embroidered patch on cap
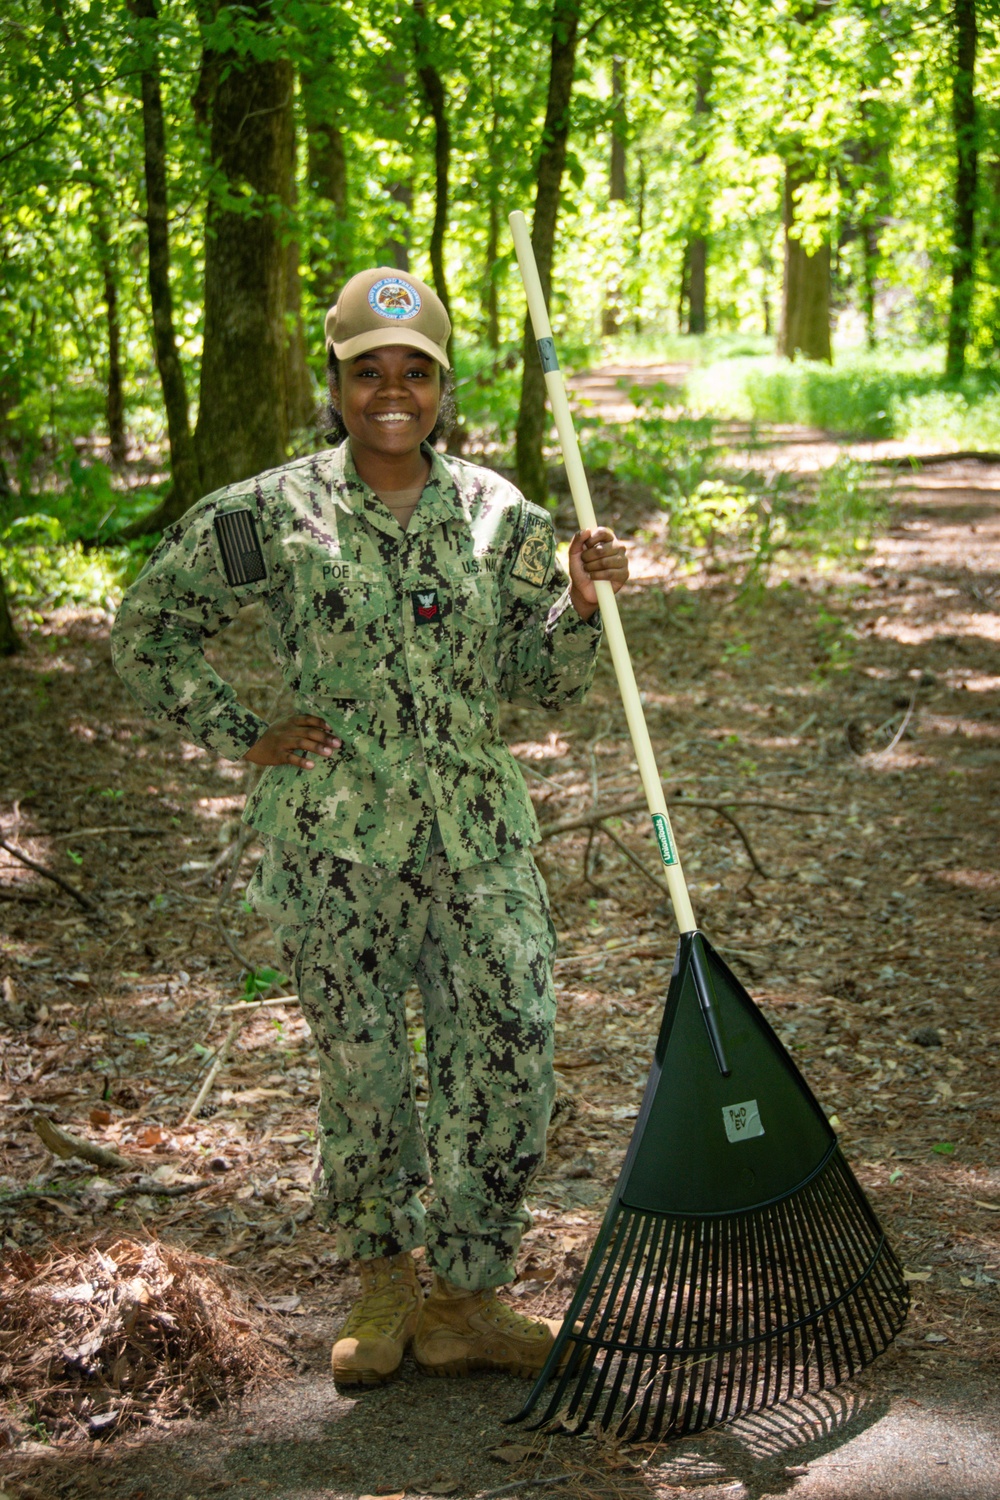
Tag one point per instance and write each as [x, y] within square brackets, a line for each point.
[535, 552]
[240, 547]
[425, 606]
[394, 298]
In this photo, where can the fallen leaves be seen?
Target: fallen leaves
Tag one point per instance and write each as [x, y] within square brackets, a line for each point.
[512, 1453]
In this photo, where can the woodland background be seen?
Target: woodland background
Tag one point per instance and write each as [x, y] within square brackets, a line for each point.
[772, 234]
[184, 187]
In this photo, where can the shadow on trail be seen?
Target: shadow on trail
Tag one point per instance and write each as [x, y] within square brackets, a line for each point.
[765, 1450]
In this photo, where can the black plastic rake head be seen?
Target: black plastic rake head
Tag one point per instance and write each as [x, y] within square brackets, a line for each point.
[739, 1263]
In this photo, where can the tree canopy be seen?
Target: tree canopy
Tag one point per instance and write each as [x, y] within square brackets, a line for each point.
[184, 186]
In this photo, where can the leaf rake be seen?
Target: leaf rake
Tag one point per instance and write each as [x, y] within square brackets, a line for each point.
[739, 1263]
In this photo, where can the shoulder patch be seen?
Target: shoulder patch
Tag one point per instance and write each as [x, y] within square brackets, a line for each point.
[239, 544]
[534, 554]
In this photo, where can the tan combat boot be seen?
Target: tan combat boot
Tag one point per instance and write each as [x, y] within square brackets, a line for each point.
[460, 1331]
[372, 1342]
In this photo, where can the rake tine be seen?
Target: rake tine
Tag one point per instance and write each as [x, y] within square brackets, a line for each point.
[614, 1342]
[723, 1337]
[682, 1310]
[706, 1254]
[601, 1339]
[600, 1255]
[668, 1244]
[852, 1254]
[845, 1200]
[706, 1318]
[646, 1305]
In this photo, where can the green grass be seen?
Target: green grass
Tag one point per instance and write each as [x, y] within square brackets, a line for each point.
[877, 395]
[713, 507]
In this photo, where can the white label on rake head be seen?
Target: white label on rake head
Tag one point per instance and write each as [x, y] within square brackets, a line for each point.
[742, 1121]
[662, 830]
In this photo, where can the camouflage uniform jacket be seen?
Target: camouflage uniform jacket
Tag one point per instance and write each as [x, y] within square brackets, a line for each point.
[403, 641]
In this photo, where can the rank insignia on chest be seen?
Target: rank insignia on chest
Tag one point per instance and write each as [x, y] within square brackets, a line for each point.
[426, 608]
[535, 552]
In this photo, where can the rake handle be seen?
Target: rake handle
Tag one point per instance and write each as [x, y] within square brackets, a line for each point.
[608, 604]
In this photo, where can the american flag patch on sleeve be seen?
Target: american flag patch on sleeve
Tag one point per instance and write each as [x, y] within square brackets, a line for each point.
[239, 544]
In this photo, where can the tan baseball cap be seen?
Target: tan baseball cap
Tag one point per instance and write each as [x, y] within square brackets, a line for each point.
[385, 306]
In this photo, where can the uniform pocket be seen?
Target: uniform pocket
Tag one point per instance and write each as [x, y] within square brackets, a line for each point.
[347, 646]
[473, 634]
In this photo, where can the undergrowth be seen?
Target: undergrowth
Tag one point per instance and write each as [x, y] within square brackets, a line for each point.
[875, 395]
[44, 568]
[739, 516]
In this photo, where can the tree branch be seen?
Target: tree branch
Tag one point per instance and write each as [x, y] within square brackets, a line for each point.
[33, 864]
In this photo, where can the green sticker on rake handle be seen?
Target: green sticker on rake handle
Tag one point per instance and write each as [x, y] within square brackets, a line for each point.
[662, 829]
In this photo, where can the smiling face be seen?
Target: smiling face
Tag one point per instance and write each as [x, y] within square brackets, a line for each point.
[388, 399]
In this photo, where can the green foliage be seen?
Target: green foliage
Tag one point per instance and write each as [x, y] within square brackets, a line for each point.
[259, 983]
[883, 395]
[843, 514]
[43, 569]
[670, 457]
[859, 94]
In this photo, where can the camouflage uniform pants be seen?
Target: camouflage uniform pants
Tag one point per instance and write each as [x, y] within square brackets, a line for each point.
[480, 945]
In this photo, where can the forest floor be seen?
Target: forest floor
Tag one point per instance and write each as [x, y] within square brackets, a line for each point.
[850, 719]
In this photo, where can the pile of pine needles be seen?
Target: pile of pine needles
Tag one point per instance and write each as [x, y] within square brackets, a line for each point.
[97, 1342]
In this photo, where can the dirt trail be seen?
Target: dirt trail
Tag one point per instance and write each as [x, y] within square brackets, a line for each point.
[871, 695]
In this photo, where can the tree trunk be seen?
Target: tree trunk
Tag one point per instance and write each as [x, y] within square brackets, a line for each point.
[695, 284]
[106, 261]
[491, 300]
[186, 481]
[684, 289]
[963, 114]
[490, 296]
[430, 81]
[617, 183]
[397, 246]
[640, 230]
[617, 186]
[300, 400]
[326, 166]
[396, 251]
[805, 303]
[10, 641]
[531, 475]
[242, 426]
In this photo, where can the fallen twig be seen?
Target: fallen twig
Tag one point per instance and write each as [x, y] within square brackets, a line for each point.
[213, 1072]
[634, 859]
[225, 1010]
[596, 819]
[900, 731]
[62, 1144]
[33, 864]
[145, 1185]
[598, 814]
[86, 833]
[522, 1484]
[921, 460]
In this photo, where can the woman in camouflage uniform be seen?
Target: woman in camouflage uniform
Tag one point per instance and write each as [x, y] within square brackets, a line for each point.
[407, 593]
